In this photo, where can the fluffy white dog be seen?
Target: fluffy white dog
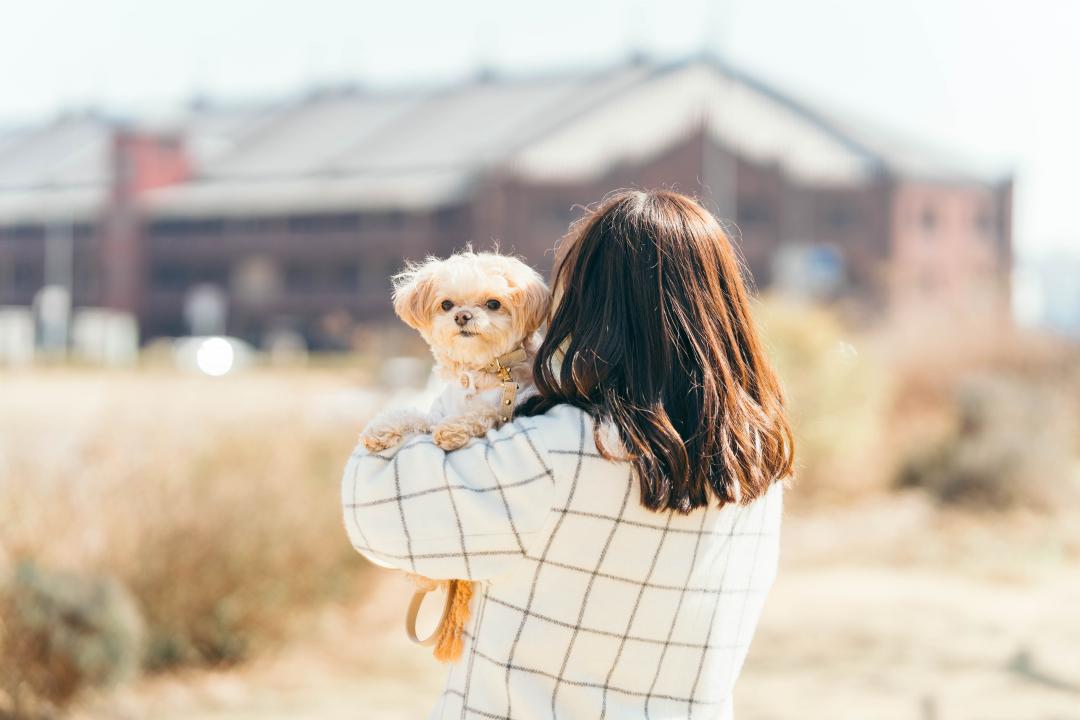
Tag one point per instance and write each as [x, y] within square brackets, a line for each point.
[479, 313]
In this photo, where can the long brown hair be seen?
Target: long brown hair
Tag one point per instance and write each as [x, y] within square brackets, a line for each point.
[653, 333]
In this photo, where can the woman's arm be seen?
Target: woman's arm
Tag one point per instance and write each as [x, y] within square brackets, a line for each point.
[472, 513]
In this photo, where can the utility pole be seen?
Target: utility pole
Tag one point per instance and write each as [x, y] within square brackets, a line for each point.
[55, 299]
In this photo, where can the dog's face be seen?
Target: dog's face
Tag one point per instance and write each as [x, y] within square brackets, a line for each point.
[472, 307]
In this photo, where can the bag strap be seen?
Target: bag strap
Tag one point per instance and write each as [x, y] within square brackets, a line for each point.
[414, 610]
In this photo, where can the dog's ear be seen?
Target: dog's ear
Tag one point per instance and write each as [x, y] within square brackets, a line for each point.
[532, 299]
[413, 296]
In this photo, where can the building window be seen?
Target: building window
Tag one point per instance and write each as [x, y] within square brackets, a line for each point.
[449, 219]
[82, 231]
[338, 277]
[929, 219]
[346, 277]
[165, 228]
[23, 232]
[561, 212]
[171, 276]
[299, 278]
[754, 212]
[25, 276]
[310, 224]
[33, 232]
[86, 279]
[383, 221]
[376, 273]
[187, 228]
[984, 223]
[841, 217]
[255, 225]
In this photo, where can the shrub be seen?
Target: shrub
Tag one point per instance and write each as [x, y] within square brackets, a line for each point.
[227, 551]
[1012, 446]
[215, 503]
[60, 633]
[838, 395]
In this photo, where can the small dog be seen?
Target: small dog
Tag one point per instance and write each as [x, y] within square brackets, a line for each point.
[480, 313]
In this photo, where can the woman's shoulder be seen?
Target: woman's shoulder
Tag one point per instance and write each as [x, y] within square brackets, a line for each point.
[562, 426]
[567, 429]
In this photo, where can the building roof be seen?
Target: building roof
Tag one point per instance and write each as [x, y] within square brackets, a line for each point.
[671, 102]
[362, 150]
[424, 148]
[56, 169]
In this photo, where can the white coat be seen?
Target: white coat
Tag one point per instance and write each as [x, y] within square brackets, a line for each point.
[589, 605]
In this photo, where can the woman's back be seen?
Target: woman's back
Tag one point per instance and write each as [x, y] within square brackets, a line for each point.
[625, 568]
[594, 606]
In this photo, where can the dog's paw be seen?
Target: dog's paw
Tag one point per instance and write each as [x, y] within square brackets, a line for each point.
[450, 437]
[379, 439]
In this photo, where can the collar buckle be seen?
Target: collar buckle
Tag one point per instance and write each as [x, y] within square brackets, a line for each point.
[500, 366]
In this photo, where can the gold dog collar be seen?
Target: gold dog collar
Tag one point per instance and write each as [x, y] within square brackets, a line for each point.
[500, 366]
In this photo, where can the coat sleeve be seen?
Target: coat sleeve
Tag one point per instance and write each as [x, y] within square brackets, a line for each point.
[472, 513]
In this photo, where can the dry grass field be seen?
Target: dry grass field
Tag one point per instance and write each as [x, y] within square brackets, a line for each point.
[887, 610]
[856, 627]
[188, 529]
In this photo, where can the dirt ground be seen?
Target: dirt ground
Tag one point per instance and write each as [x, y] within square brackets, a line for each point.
[888, 610]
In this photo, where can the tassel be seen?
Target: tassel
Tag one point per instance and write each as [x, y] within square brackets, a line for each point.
[450, 640]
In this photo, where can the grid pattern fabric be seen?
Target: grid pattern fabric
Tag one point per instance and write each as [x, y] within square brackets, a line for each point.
[590, 606]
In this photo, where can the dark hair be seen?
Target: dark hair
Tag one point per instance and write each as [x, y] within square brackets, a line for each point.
[653, 333]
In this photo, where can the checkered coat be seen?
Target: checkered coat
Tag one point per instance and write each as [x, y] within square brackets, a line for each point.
[589, 605]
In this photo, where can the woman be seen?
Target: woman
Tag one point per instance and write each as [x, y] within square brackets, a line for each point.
[624, 526]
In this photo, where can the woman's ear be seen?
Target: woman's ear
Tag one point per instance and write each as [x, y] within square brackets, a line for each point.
[413, 297]
[532, 299]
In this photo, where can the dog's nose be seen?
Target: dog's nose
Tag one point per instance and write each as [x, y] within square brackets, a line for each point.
[462, 317]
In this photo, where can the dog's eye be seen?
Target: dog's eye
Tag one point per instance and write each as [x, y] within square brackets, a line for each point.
[447, 305]
[493, 304]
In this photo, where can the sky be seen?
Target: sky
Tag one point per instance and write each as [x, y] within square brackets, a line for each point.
[992, 80]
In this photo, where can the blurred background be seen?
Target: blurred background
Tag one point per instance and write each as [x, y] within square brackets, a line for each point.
[200, 208]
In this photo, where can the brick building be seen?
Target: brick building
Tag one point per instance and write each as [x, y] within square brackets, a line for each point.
[297, 211]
